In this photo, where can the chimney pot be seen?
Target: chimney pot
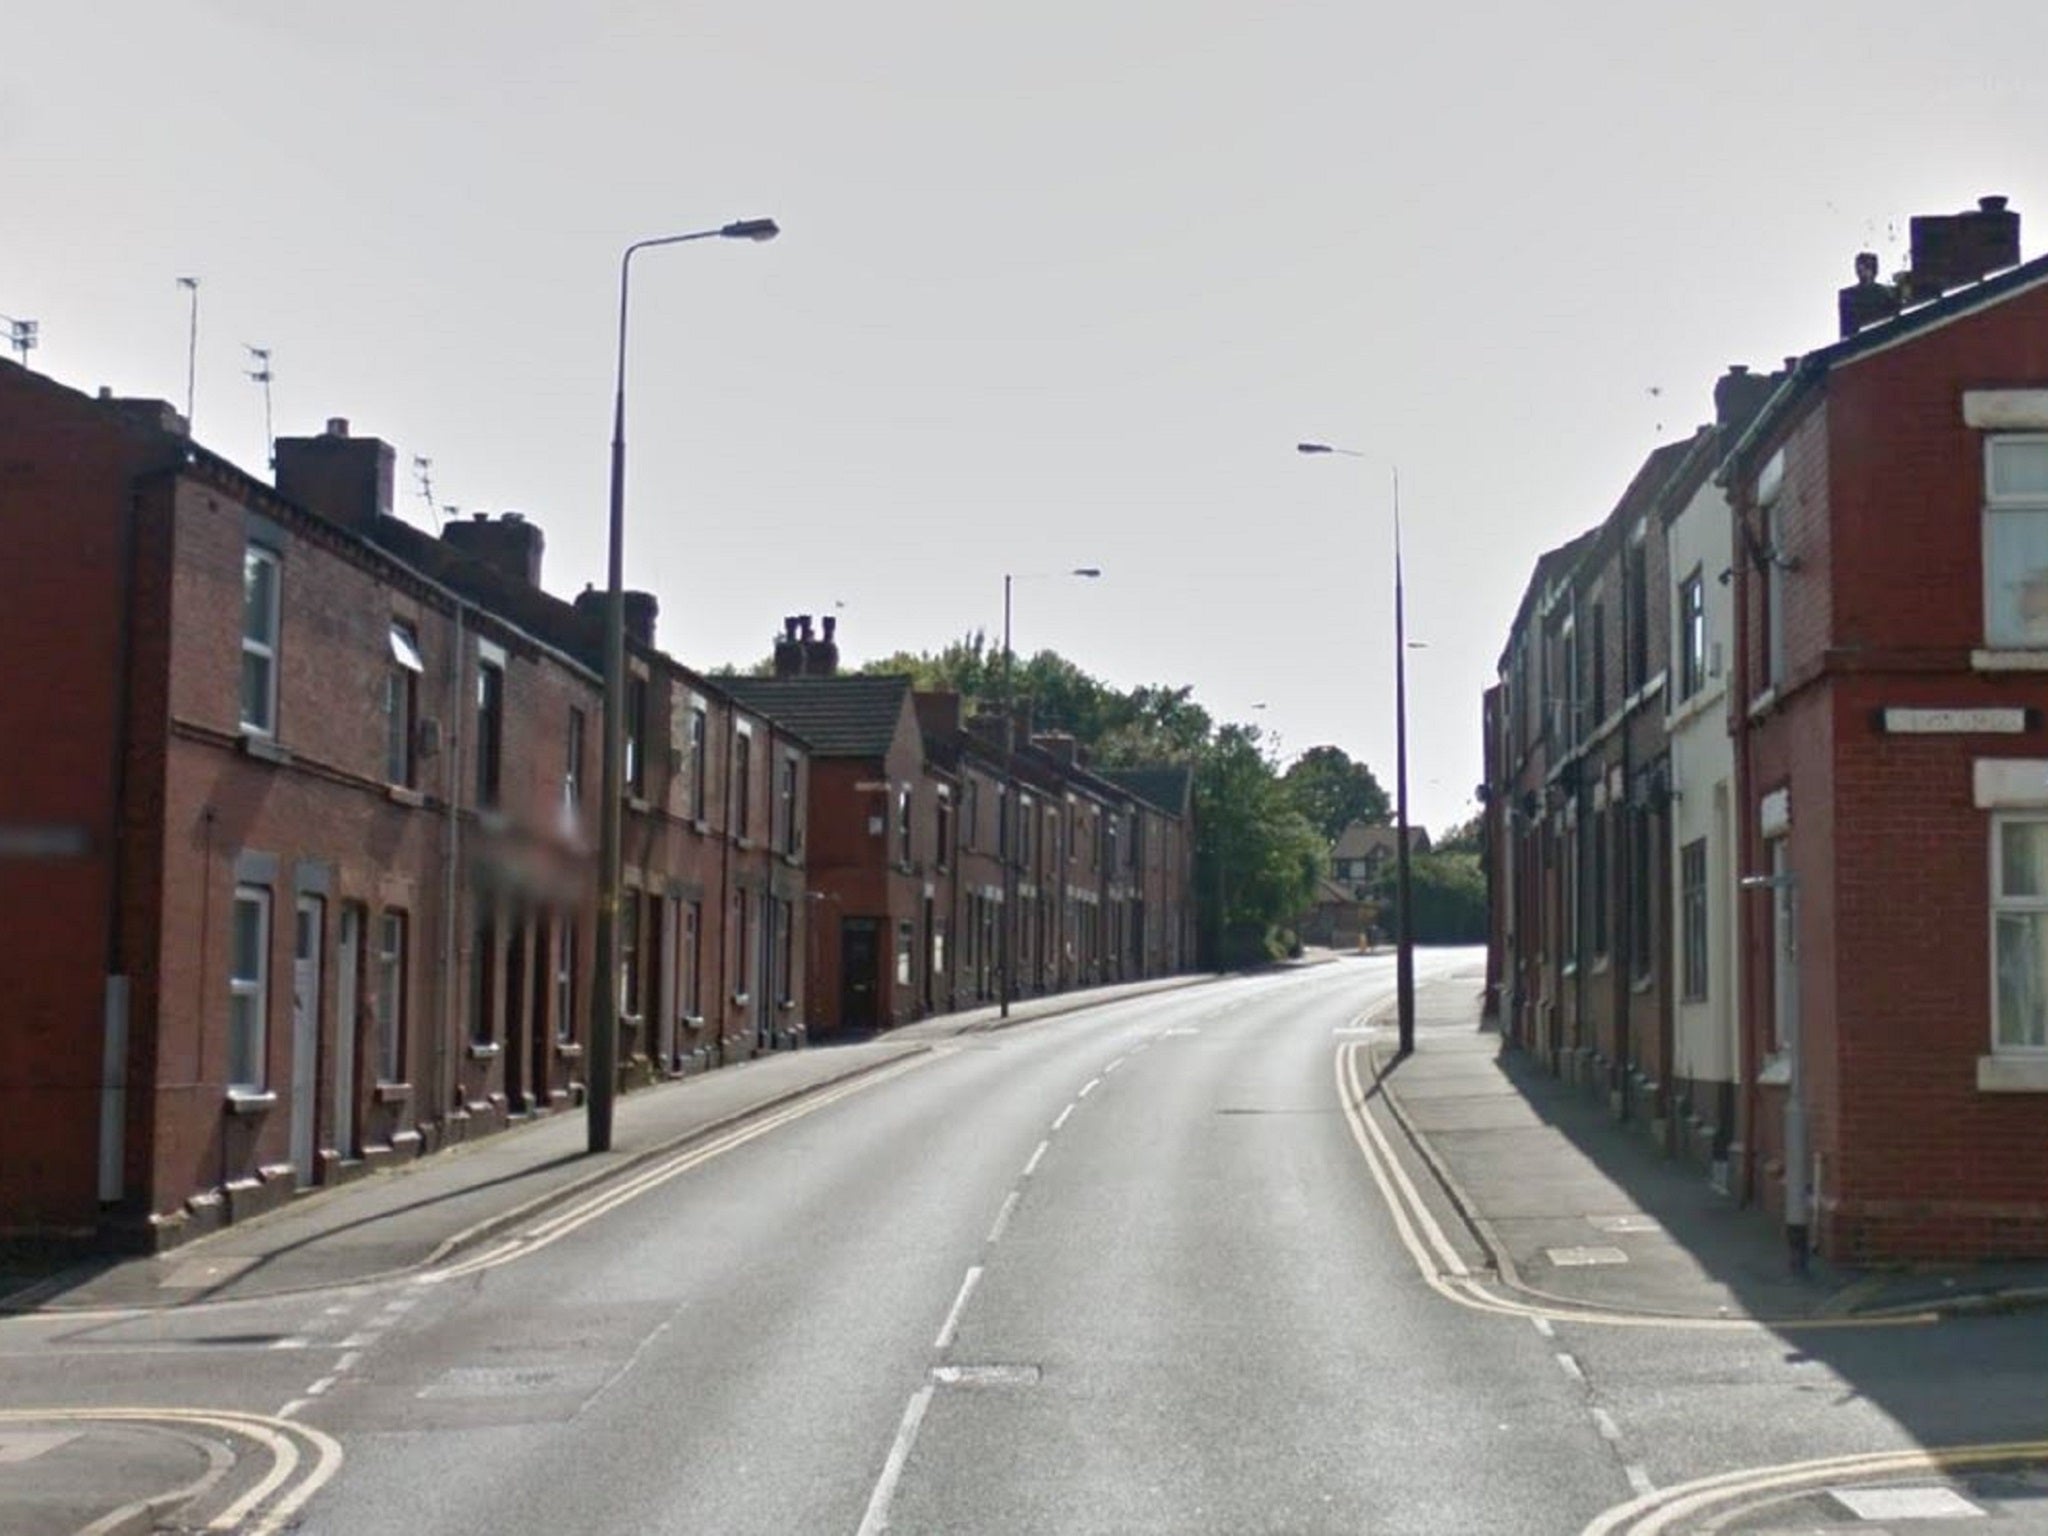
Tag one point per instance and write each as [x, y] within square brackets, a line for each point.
[510, 545]
[1992, 204]
[337, 426]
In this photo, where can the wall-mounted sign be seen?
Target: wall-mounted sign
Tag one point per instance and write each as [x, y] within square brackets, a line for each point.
[1954, 722]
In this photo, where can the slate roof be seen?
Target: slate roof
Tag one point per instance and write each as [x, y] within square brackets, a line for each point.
[1361, 840]
[1170, 789]
[838, 716]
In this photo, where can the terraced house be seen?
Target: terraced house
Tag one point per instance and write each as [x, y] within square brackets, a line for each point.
[1810, 863]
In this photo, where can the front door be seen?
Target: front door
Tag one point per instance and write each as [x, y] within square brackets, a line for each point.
[348, 959]
[859, 972]
[305, 1033]
[517, 1057]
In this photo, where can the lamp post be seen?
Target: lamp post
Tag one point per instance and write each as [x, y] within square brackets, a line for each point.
[1404, 936]
[603, 1074]
[1005, 840]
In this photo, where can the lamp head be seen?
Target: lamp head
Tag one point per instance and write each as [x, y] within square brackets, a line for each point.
[1313, 448]
[751, 229]
[1087, 570]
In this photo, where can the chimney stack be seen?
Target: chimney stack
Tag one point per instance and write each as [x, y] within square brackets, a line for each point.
[789, 651]
[1951, 250]
[1869, 302]
[640, 611]
[345, 479]
[1740, 394]
[509, 544]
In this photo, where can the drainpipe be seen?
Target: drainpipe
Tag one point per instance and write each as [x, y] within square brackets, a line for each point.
[451, 867]
[114, 1019]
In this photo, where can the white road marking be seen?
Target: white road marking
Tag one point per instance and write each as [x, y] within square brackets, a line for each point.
[1570, 1367]
[876, 1520]
[1036, 1158]
[1542, 1326]
[1063, 1117]
[347, 1362]
[952, 1323]
[291, 1343]
[1609, 1430]
[1112, 1066]
[319, 1388]
[1639, 1480]
[1089, 1087]
[995, 1233]
[294, 1406]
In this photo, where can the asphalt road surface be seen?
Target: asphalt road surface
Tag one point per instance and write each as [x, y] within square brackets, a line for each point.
[1125, 1270]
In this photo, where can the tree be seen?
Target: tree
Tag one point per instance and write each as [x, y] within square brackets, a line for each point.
[1332, 791]
[1449, 892]
[1257, 859]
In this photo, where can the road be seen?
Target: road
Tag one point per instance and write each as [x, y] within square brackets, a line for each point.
[1126, 1270]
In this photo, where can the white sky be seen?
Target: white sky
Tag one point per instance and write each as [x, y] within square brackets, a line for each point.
[1059, 284]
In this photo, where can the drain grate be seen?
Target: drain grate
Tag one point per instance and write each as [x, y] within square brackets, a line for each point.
[1575, 1258]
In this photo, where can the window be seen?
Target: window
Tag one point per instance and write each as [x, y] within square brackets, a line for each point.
[391, 998]
[636, 737]
[904, 939]
[786, 834]
[743, 949]
[248, 986]
[1572, 895]
[690, 962]
[401, 706]
[1692, 917]
[742, 785]
[259, 639]
[1692, 635]
[698, 734]
[2016, 540]
[903, 824]
[1636, 616]
[572, 767]
[1569, 663]
[1599, 884]
[483, 975]
[1599, 663]
[629, 954]
[490, 731]
[785, 956]
[1642, 937]
[970, 813]
[945, 829]
[565, 977]
[1003, 821]
[2019, 958]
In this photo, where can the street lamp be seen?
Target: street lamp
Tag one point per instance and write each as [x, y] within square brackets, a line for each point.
[1005, 841]
[604, 1013]
[1404, 937]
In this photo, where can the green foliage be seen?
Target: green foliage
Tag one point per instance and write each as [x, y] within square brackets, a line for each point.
[1333, 791]
[1449, 891]
[1463, 838]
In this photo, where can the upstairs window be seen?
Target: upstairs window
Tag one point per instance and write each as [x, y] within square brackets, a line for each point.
[903, 807]
[259, 639]
[636, 737]
[1636, 616]
[742, 785]
[572, 766]
[787, 831]
[248, 988]
[490, 731]
[698, 735]
[2016, 540]
[401, 706]
[1692, 635]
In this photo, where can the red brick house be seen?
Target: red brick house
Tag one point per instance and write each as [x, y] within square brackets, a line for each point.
[294, 815]
[1891, 596]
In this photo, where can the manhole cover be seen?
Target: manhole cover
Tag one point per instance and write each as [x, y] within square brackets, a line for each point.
[1580, 1258]
[1903, 1503]
[986, 1375]
[513, 1380]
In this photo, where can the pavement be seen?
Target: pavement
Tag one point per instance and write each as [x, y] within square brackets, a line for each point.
[1574, 1207]
[424, 1212]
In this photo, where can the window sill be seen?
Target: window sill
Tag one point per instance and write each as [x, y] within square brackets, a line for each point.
[250, 1101]
[638, 802]
[262, 745]
[691, 1020]
[484, 1051]
[391, 1093]
[1762, 703]
[399, 794]
[568, 1050]
[1641, 983]
[2009, 659]
[2012, 1074]
[1776, 1072]
[740, 999]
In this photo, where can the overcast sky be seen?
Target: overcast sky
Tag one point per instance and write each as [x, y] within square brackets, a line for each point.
[1060, 284]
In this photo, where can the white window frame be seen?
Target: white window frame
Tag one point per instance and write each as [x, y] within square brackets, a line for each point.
[2009, 506]
[2001, 903]
[1695, 919]
[250, 992]
[1692, 633]
[401, 706]
[391, 948]
[265, 651]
